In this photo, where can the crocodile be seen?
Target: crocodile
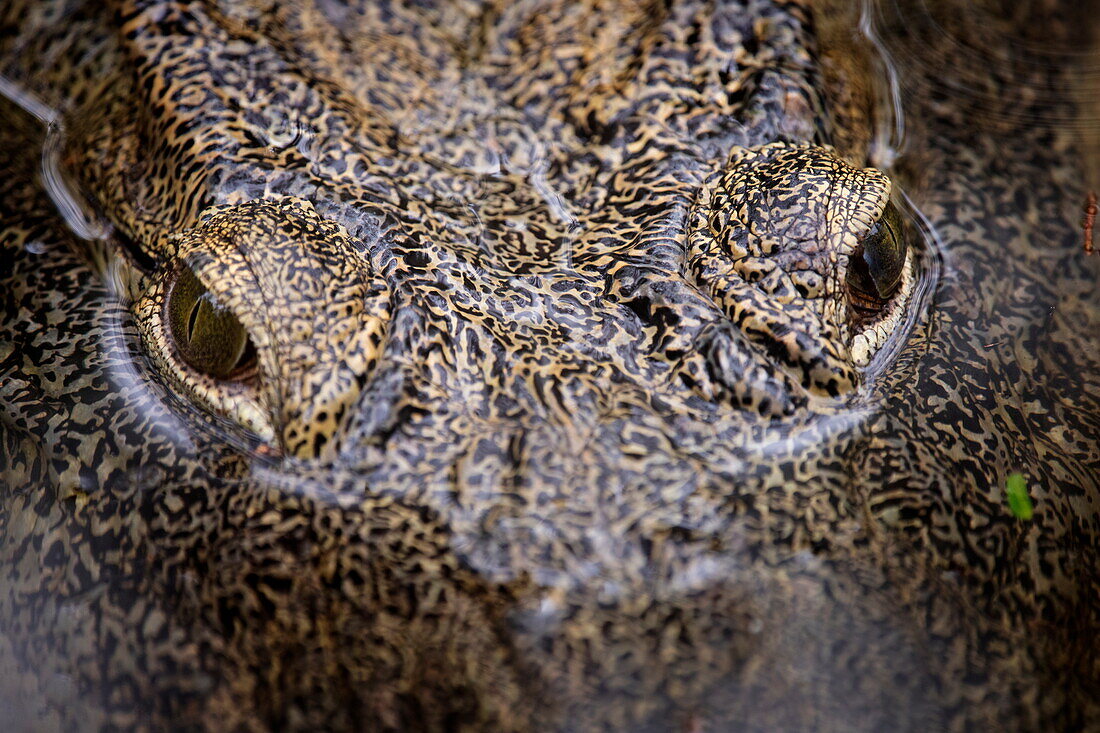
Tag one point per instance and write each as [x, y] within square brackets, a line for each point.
[526, 365]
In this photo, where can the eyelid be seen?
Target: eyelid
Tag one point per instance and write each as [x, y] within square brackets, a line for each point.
[237, 399]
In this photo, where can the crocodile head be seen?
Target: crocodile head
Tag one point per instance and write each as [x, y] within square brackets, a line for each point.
[444, 367]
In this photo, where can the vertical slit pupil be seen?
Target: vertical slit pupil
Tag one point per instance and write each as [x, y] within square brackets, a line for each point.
[192, 318]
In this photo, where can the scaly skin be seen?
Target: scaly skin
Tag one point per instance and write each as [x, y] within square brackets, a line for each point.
[559, 414]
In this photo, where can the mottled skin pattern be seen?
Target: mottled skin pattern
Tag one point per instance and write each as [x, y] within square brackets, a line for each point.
[1007, 374]
[314, 307]
[556, 420]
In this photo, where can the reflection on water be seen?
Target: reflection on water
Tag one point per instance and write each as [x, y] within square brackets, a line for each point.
[528, 522]
[1000, 152]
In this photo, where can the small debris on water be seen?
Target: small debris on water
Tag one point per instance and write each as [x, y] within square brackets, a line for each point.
[1018, 500]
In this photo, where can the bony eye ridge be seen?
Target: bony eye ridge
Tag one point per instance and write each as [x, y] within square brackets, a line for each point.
[208, 336]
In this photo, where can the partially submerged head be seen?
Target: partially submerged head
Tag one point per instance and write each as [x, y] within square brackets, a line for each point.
[807, 256]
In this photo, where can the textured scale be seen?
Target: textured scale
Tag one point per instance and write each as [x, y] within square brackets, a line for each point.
[559, 416]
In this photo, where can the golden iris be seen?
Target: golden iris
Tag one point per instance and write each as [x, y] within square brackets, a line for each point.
[208, 337]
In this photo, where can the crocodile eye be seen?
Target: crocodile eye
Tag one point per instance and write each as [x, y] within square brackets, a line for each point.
[208, 337]
[879, 281]
[876, 267]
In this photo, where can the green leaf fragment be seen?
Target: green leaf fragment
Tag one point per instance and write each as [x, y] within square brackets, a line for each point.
[1018, 500]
